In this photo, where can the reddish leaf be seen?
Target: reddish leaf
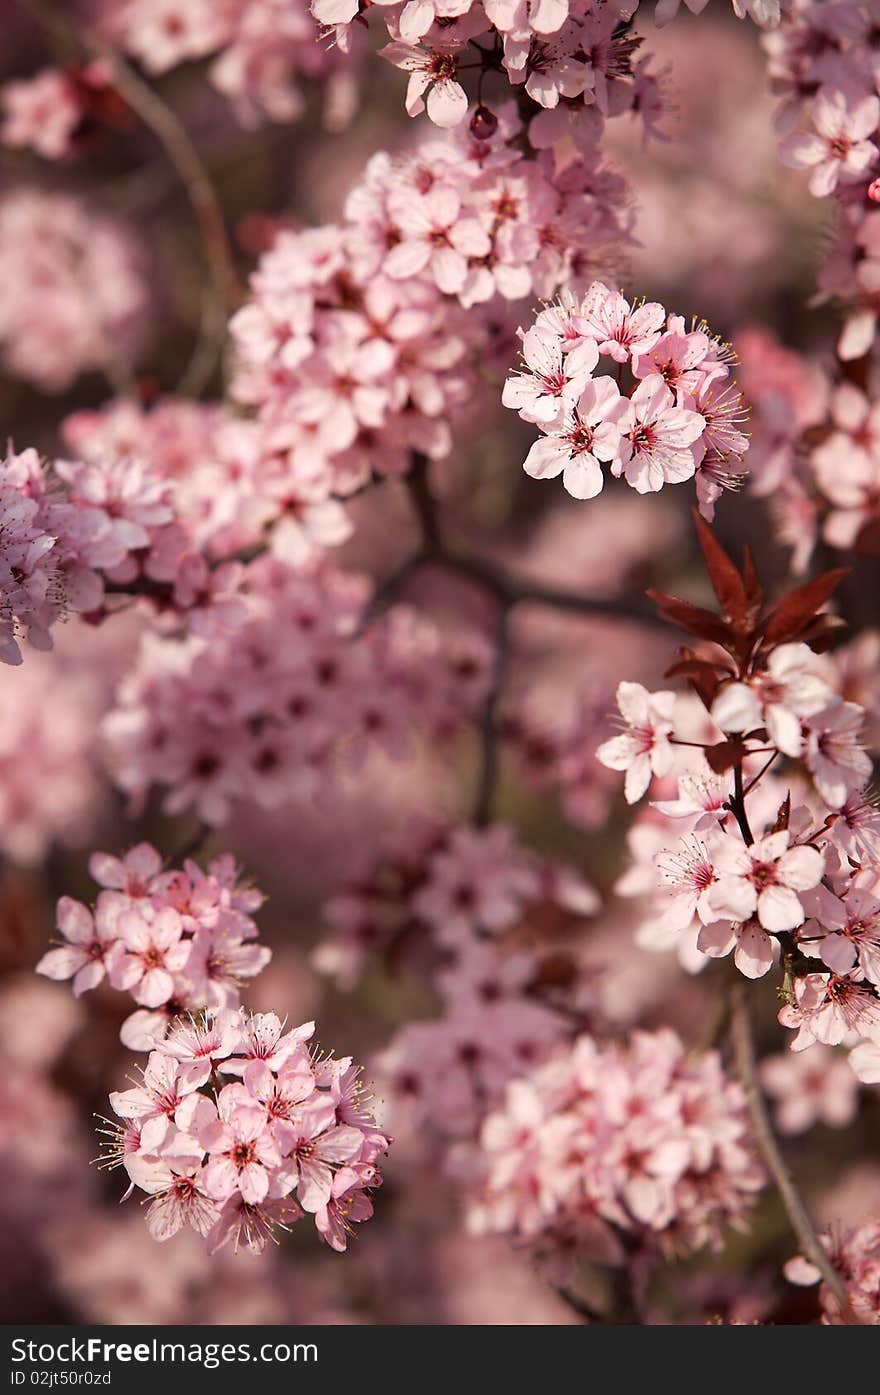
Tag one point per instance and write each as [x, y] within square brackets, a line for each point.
[754, 590]
[726, 581]
[792, 615]
[823, 632]
[783, 815]
[724, 754]
[692, 618]
[695, 668]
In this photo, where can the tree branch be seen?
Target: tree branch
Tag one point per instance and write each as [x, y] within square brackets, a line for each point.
[744, 1053]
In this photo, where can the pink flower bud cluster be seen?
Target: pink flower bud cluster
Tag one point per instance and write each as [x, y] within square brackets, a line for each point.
[355, 347]
[237, 1128]
[175, 940]
[855, 1256]
[76, 295]
[262, 712]
[263, 51]
[602, 1143]
[678, 418]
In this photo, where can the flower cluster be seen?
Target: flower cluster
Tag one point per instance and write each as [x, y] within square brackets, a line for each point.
[447, 886]
[70, 534]
[76, 295]
[493, 928]
[290, 1133]
[855, 1257]
[571, 60]
[260, 712]
[355, 346]
[55, 543]
[263, 51]
[765, 860]
[822, 61]
[679, 420]
[604, 1143]
[815, 452]
[233, 484]
[176, 940]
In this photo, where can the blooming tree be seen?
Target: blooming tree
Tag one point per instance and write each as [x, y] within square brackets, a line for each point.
[314, 611]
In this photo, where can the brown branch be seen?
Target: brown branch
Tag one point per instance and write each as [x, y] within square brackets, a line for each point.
[744, 1053]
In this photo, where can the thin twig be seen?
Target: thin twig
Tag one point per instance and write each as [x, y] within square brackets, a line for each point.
[488, 775]
[738, 805]
[746, 1064]
[223, 292]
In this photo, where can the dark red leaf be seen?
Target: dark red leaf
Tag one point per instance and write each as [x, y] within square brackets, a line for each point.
[695, 668]
[791, 616]
[754, 590]
[726, 581]
[823, 632]
[783, 815]
[724, 754]
[692, 618]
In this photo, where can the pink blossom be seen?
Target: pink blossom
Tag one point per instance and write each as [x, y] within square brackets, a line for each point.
[657, 438]
[833, 753]
[148, 954]
[43, 112]
[241, 1147]
[622, 331]
[838, 148]
[765, 879]
[435, 236]
[588, 433]
[550, 383]
[87, 955]
[432, 70]
[829, 1007]
[809, 1088]
[643, 750]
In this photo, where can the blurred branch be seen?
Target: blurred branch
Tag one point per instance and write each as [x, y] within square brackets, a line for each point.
[508, 589]
[744, 1053]
[223, 292]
